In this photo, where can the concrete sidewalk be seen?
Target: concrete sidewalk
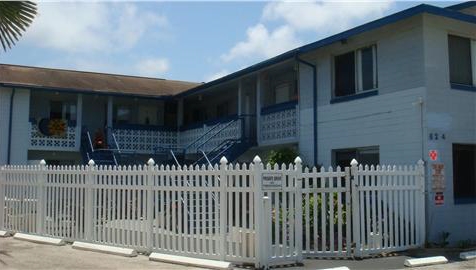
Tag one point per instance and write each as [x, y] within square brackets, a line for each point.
[16, 254]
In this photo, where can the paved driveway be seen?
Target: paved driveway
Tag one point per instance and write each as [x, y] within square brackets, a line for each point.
[16, 254]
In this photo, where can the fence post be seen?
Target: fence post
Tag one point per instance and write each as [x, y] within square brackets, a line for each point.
[259, 246]
[298, 207]
[355, 208]
[422, 233]
[266, 247]
[150, 203]
[2, 197]
[223, 207]
[41, 198]
[89, 207]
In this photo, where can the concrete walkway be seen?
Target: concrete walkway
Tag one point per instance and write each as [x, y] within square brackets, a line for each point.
[16, 254]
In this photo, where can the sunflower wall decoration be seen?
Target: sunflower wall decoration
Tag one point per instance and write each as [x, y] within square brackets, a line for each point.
[57, 127]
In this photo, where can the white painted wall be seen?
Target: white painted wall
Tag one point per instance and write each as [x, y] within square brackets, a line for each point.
[5, 94]
[20, 127]
[453, 113]
[306, 110]
[389, 121]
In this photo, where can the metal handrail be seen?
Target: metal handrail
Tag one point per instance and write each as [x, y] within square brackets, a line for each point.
[206, 158]
[214, 149]
[99, 150]
[90, 141]
[203, 135]
[175, 158]
[219, 131]
[110, 132]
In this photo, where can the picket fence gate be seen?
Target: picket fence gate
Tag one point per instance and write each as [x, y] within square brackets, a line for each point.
[242, 213]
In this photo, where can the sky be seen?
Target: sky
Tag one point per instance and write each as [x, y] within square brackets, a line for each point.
[191, 41]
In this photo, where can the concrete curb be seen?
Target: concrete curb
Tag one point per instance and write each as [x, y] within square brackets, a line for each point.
[469, 255]
[425, 261]
[125, 252]
[210, 264]
[39, 239]
[5, 234]
[337, 268]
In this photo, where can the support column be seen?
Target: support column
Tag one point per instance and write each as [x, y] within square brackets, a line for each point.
[110, 104]
[79, 119]
[180, 113]
[258, 108]
[240, 102]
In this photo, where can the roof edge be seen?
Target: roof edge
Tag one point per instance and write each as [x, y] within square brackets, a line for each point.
[392, 18]
[462, 5]
[98, 73]
[84, 91]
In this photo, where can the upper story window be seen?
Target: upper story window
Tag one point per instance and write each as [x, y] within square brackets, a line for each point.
[123, 114]
[355, 71]
[63, 110]
[282, 93]
[462, 60]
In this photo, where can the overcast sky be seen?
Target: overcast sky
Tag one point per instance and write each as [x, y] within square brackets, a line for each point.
[193, 41]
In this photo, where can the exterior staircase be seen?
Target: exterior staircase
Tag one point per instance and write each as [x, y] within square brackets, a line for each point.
[100, 156]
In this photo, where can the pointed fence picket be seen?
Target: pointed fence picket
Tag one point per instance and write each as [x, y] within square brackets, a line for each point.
[222, 212]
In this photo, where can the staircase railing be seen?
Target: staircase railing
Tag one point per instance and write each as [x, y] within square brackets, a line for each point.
[199, 147]
[204, 135]
[111, 139]
[175, 158]
[91, 149]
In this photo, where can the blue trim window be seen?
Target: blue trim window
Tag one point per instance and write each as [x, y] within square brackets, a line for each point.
[355, 72]
[464, 173]
[462, 62]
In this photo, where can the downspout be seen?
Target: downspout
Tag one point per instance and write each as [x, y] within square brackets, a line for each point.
[314, 102]
[10, 125]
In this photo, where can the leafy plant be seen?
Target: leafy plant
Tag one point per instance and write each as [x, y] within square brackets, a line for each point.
[280, 156]
[15, 17]
[465, 243]
[444, 236]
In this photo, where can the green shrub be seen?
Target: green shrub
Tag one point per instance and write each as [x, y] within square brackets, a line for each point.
[280, 156]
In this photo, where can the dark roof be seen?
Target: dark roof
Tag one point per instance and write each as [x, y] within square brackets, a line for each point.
[404, 14]
[463, 5]
[69, 80]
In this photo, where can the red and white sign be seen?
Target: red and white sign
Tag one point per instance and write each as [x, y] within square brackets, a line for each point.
[439, 198]
[433, 154]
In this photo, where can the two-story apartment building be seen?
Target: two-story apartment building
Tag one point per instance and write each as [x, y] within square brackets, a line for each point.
[387, 92]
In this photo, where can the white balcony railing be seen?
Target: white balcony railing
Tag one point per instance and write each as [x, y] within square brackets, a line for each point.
[279, 124]
[145, 141]
[68, 142]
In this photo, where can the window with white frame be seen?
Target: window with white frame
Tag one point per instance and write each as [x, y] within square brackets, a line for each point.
[462, 60]
[355, 71]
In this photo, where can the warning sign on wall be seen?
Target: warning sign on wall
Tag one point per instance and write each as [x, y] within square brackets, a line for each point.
[438, 177]
[439, 198]
[433, 154]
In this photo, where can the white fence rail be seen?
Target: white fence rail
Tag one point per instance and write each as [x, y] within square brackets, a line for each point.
[246, 213]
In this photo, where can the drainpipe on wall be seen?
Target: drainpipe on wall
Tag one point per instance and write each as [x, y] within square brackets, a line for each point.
[10, 125]
[314, 103]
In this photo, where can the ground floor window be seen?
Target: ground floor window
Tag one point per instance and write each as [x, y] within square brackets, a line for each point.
[464, 173]
[364, 155]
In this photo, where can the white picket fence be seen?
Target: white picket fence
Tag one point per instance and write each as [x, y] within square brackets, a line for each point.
[227, 212]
